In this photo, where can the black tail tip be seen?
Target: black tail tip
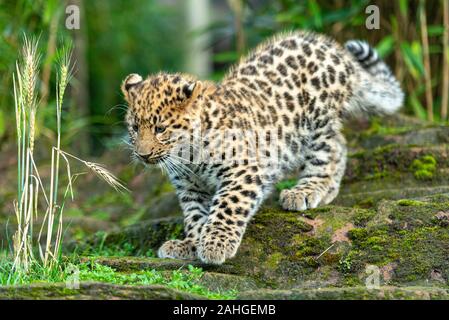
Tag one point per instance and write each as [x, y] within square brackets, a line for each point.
[363, 52]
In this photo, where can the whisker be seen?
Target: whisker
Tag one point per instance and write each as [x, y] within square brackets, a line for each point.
[183, 168]
[122, 107]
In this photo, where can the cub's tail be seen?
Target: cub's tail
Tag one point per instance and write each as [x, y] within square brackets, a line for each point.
[378, 91]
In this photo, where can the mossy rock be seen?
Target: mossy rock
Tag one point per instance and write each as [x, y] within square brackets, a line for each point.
[431, 135]
[395, 129]
[129, 264]
[331, 246]
[93, 290]
[395, 161]
[353, 293]
[368, 194]
[218, 282]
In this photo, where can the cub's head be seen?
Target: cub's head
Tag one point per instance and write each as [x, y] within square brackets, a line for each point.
[161, 111]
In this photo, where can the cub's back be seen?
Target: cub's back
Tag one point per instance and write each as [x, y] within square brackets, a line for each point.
[297, 71]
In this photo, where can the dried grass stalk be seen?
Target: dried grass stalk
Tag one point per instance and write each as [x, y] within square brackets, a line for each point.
[30, 185]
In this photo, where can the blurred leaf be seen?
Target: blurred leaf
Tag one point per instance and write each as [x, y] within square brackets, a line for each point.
[341, 15]
[435, 30]
[403, 7]
[394, 24]
[2, 123]
[315, 11]
[293, 14]
[435, 49]
[227, 56]
[417, 107]
[385, 46]
[51, 6]
[413, 58]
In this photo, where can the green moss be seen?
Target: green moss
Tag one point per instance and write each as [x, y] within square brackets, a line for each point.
[288, 220]
[362, 216]
[350, 280]
[423, 249]
[346, 263]
[375, 242]
[309, 246]
[376, 175]
[378, 128]
[273, 260]
[358, 234]
[375, 164]
[423, 174]
[409, 203]
[380, 151]
[366, 203]
[424, 168]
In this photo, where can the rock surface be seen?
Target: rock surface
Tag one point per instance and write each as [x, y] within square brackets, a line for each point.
[94, 291]
[350, 293]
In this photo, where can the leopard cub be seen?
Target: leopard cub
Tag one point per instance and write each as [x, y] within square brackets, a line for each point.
[224, 145]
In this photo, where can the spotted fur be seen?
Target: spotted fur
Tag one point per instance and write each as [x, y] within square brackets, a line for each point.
[293, 91]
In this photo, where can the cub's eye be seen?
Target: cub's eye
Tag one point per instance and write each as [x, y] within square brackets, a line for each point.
[160, 129]
[135, 127]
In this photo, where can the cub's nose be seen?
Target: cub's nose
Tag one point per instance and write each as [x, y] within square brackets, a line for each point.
[143, 157]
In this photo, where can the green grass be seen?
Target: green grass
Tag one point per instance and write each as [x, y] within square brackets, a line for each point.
[186, 279]
[36, 273]
[112, 250]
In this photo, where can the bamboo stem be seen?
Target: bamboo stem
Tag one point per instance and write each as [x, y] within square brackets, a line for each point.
[237, 7]
[427, 71]
[51, 48]
[445, 84]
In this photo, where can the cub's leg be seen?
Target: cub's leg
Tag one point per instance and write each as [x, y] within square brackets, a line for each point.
[319, 182]
[338, 175]
[195, 205]
[235, 202]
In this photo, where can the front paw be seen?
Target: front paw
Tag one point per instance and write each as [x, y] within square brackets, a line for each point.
[300, 200]
[177, 249]
[212, 254]
[215, 251]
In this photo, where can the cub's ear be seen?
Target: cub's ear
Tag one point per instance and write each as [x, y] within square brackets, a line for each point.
[130, 81]
[189, 89]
